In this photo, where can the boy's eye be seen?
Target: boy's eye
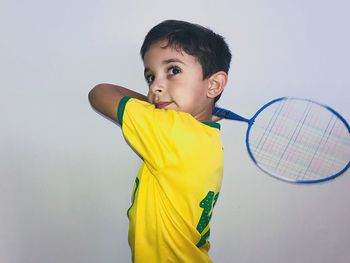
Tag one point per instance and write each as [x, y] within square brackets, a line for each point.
[174, 70]
[149, 78]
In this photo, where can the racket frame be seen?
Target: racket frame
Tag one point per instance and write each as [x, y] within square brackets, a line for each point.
[251, 123]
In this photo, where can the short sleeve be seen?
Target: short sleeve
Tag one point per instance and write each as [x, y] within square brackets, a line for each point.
[147, 130]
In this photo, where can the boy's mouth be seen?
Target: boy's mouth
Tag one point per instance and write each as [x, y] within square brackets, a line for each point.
[162, 104]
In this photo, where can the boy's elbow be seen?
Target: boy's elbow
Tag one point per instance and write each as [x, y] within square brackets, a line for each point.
[103, 98]
[93, 94]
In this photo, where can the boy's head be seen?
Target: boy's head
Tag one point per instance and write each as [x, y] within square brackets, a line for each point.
[208, 50]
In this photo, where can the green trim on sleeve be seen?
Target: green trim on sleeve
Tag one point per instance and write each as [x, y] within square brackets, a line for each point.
[121, 108]
[212, 124]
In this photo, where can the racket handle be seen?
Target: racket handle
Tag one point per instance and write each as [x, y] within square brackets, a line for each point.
[226, 114]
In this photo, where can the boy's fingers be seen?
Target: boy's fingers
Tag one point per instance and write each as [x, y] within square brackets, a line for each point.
[215, 118]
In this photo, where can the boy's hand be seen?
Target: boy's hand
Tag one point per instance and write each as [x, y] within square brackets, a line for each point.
[215, 118]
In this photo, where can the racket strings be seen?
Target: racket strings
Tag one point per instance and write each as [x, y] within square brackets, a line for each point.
[300, 140]
[297, 130]
[266, 131]
[316, 151]
[331, 154]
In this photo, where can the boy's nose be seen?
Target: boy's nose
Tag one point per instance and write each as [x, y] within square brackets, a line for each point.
[157, 87]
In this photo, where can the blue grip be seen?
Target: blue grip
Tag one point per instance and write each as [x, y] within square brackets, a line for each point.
[227, 114]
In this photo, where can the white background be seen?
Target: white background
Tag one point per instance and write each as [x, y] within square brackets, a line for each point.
[66, 173]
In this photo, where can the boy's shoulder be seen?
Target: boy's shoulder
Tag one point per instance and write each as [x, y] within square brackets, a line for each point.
[146, 114]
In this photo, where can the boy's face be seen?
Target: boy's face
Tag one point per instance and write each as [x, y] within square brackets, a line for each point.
[175, 81]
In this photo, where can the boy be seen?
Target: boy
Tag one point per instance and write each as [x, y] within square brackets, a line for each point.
[174, 132]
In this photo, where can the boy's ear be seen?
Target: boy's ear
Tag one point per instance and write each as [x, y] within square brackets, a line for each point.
[217, 83]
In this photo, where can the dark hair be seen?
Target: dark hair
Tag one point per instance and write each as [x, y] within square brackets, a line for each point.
[210, 49]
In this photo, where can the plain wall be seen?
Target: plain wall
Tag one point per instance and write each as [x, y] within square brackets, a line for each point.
[66, 173]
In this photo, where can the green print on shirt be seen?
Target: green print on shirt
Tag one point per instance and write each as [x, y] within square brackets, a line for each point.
[207, 204]
[136, 185]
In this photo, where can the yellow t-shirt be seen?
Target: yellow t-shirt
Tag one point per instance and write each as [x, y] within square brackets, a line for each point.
[177, 186]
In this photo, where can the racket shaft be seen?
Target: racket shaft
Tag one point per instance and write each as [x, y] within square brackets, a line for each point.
[226, 114]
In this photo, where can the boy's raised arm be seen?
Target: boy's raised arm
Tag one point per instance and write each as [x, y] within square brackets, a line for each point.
[105, 98]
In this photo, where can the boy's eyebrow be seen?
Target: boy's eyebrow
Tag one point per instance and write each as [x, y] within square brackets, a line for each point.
[170, 60]
[167, 61]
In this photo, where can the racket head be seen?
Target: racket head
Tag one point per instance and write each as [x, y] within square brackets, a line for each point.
[299, 140]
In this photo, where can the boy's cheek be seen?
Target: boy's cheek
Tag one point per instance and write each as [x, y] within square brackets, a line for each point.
[150, 98]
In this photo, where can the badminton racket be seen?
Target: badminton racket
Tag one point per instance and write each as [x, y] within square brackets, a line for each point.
[296, 140]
